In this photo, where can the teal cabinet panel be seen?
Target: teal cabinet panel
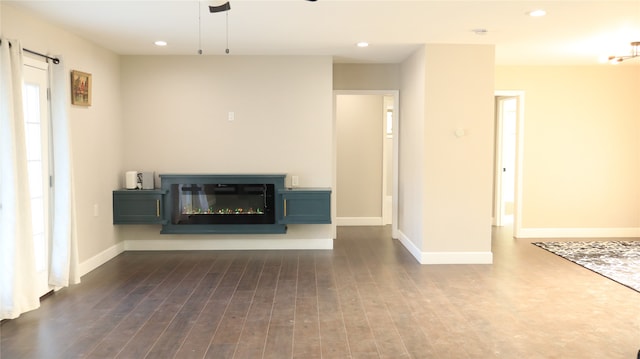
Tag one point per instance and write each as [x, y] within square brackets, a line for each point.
[305, 206]
[289, 205]
[137, 207]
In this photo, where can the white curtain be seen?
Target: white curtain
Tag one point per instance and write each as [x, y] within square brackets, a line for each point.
[63, 269]
[17, 258]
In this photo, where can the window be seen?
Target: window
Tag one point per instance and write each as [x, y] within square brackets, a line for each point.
[389, 123]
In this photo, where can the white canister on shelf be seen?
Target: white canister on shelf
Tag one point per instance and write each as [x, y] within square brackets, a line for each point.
[131, 179]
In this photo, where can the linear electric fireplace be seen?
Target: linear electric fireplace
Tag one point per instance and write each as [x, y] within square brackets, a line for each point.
[222, 203]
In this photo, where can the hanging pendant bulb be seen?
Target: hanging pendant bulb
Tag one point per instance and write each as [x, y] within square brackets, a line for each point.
[227, 49]
[199, 30]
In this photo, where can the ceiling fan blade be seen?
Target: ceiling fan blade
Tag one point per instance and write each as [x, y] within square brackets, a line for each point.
[224, 7]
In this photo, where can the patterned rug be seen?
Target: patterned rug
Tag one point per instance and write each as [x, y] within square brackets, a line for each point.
[616, 260]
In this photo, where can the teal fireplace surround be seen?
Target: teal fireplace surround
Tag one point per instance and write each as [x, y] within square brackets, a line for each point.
[281, 206]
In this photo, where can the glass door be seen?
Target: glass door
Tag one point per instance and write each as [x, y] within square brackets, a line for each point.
[36, 114]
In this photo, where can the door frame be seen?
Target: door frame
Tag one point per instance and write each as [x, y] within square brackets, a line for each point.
[517, 210]
[394, 157]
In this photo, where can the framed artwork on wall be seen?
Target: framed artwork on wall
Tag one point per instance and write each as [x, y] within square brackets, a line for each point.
[80, 88]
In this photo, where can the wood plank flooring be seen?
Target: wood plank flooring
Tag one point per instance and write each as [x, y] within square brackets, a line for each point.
[368, 298]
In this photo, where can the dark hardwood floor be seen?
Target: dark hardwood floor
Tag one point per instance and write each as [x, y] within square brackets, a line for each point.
[368, 298]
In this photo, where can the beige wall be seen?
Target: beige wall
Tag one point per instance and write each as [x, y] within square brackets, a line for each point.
[359, 126]
[446, 181]
[176, 120]
[96, 131]
[366, 76]
[581, 166]
[411, 184]
[458, 176]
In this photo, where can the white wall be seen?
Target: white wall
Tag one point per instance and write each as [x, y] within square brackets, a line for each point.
[176, 121]
[96, 131]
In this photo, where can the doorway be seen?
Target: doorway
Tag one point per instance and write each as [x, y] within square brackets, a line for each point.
[508, 154]
[365, 158]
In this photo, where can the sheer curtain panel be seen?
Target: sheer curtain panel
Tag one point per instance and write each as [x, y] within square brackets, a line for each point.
[17, 258]
[63, 269]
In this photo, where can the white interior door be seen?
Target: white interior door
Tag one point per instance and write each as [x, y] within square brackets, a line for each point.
[387, 160]
[36, 111]
[507, 118]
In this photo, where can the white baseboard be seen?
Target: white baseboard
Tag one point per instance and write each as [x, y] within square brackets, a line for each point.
[359, 221]
[410, 246]
[218, 244]
[457, 258]
[578, 232]
[101, 258]
[226, 244]
[445, 257]
[422, 257]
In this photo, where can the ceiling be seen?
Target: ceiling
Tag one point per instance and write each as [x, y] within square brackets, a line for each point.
[572, 32]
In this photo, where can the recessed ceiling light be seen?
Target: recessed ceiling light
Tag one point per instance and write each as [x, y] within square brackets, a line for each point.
[362, 44]
[160, 43]
[537, 13]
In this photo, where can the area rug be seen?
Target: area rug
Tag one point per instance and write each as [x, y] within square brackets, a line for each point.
[616, 260]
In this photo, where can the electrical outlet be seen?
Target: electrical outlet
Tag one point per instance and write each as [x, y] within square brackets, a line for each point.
[232, 116]
[294, 181]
